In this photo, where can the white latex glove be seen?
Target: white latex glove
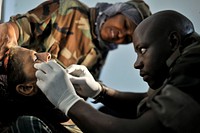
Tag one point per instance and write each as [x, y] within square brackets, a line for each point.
[79, 75]
[53, 80]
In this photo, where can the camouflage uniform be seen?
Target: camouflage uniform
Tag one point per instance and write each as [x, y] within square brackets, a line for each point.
[66, 29]
[61, 28]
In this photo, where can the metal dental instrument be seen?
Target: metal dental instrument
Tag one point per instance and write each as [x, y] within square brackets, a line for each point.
[60, 63]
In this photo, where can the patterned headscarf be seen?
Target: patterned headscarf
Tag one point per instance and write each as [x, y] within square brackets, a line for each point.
[107, 10]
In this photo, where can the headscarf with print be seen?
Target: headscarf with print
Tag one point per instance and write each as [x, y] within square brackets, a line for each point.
[107, 10]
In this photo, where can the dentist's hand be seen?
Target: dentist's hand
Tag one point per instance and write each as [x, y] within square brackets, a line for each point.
[53, 80]
[79, 75]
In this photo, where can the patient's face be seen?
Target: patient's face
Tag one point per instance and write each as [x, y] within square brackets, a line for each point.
[22, 83]
[28, 58]
[21, 72]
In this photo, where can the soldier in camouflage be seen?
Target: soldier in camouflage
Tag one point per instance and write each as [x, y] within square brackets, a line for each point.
[71, 31]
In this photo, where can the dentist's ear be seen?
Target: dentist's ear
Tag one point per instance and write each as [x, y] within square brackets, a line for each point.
[175, 40]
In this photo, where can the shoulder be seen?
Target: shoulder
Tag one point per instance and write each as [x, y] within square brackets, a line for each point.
[72, 4]
[172, 105]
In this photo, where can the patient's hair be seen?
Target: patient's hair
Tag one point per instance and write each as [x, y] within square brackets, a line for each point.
[13, 76]
[15, 73]
[37, 105]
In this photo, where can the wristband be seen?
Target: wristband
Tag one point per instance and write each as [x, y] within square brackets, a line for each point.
[101, 95]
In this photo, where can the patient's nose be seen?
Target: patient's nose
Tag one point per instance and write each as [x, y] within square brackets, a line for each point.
[45, 56]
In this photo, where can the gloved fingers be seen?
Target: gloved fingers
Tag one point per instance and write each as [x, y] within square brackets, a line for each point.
[43, 66]
[54, 65]
[76, 80]
[77, 73]
[71, 68]
[89, 75]
[80, 71]
[41, 85]
[74, 67]
[76, 70]
[71, 77]
[40, 75]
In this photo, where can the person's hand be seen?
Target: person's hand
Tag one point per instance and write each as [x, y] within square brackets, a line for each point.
[53, 80]
[79, 75]
[7, 38]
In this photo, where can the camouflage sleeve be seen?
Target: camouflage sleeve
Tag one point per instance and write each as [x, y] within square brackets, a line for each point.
[62, 28]
[31, 23]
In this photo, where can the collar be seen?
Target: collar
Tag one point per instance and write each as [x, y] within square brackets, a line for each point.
[188, 43]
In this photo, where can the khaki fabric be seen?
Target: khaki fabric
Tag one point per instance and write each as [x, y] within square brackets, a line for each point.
[61, 28]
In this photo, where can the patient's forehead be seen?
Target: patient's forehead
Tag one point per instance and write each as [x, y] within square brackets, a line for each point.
[5, 60]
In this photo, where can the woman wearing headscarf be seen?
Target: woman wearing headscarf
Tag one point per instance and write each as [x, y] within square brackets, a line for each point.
[73, 32]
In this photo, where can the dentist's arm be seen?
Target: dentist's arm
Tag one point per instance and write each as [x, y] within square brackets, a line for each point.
[122, 102]
[54, 82]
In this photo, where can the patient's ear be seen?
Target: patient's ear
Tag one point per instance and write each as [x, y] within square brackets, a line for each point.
[27, 89]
